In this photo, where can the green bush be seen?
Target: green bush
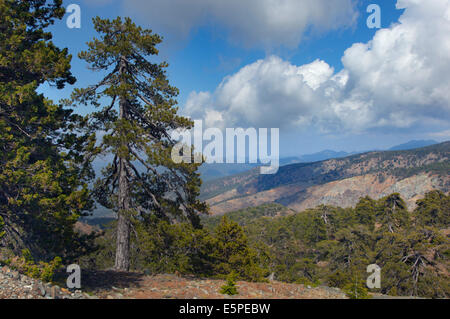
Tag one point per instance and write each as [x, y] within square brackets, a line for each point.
[2, 223]
[26, 265]
[356, 290]
[306, 282]
[230, 287]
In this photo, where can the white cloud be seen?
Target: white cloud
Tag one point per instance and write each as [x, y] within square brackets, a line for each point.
[261, 92]
[269, 23]
[399, 80]
[442, 134]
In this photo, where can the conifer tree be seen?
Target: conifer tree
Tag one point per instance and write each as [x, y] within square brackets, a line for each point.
[232, 252]
[433, 210]
[410, 259]
[43, 191]
[392, 213]
[366, 210]
[137, 112]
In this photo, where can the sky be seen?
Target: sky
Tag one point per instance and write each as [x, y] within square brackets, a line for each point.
[312, 68]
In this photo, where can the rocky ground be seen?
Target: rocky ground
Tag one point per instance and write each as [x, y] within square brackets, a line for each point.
[166, 286]
[175, 287]
[116, 285]
[16, 286]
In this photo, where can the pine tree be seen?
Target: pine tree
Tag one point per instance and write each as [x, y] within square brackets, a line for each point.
[392, 213]
[409, 258]
[433, 210]
[232, 253]
[137, 121]
[230, 286]
[365, 211]
[43, 191]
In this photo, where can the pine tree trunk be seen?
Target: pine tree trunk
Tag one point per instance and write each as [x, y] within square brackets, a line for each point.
[122, 261]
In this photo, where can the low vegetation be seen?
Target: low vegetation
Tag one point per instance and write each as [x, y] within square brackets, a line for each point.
[26, 265]
[159, 247]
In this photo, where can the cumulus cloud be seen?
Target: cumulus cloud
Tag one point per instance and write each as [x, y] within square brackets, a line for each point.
[400, 79]
[251, 22]
[270, 92]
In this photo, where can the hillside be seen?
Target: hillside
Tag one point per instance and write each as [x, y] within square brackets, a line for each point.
[341, 181]
[211, 171]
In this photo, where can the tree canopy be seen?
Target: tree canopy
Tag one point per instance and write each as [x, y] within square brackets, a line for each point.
[43, 179]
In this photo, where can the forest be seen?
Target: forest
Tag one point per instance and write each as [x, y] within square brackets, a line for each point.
[329, 246]
[47, 182]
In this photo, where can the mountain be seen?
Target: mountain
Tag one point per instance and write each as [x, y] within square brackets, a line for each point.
[338, 181]
[214, 171]
[321, 156]
[412, 145]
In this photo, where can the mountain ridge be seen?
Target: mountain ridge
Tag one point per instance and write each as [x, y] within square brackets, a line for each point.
[411, 172]
[413, 144]
[215, 171]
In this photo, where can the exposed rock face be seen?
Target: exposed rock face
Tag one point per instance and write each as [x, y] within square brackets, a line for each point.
[86, 229]
[347, 192]
[339, 182]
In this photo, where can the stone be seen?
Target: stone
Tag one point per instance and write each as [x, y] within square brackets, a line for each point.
[54, 292]
[42, 290]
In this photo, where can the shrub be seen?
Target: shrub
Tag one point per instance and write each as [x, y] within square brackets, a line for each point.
[230, 287]
[356, 290]
[41, 270]
[2, 224]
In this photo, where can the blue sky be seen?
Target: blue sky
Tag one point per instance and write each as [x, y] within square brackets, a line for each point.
[217, 49]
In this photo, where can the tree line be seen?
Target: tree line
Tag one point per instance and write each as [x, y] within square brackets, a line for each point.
[333, 246]
[327, 245]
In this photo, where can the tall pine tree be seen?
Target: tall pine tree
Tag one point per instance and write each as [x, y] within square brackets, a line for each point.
[42, 189]
[137, 114]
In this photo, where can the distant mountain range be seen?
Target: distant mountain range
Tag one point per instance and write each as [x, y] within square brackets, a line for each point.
[222, 178]
[338, 181]
[412, 145]
[214, 171]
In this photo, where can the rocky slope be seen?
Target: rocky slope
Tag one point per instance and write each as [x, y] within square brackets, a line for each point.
[16, 286]
[339, 182]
